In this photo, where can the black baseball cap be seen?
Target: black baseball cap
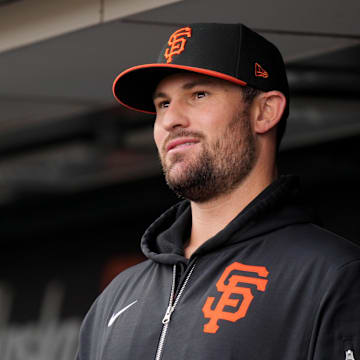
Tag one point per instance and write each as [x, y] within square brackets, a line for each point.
[231, 52]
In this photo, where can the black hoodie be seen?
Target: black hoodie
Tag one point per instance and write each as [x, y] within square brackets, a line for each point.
[272, 285]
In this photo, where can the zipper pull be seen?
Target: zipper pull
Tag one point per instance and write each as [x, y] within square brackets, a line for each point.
[168, 313]
[349, 355]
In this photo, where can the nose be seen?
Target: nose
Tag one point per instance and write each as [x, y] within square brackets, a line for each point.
[174, 116]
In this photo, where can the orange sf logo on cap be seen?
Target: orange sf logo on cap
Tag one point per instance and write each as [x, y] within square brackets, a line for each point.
[177, 43]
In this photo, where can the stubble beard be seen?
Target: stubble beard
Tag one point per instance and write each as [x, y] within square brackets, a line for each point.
[219, 168]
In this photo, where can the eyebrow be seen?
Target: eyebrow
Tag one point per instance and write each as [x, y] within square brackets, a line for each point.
[188, 86]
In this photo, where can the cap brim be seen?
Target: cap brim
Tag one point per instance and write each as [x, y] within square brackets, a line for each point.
[134, 87]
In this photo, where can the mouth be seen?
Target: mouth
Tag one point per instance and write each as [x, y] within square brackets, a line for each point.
[180, 144]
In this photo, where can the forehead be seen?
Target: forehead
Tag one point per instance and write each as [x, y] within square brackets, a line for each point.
[188, 80]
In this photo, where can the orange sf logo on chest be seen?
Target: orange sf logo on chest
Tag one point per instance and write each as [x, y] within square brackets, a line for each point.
[229, 288]
[177, 43]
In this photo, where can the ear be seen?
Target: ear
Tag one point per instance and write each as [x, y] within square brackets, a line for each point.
[270, 107]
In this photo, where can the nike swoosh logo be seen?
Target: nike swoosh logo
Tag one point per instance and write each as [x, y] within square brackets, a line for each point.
[116, 315]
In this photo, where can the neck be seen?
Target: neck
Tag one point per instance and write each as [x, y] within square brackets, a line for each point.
[208, 218]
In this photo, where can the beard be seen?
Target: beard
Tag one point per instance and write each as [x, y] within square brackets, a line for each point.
[219, 168]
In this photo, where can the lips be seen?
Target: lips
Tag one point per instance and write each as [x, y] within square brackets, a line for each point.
[181, 142]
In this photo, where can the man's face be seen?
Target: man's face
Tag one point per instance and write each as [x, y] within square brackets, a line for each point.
[203, 135]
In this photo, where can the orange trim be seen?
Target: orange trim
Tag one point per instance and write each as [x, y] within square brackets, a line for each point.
[135, 109]
[211, 73]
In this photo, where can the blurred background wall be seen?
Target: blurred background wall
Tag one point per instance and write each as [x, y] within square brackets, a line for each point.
[79, 175]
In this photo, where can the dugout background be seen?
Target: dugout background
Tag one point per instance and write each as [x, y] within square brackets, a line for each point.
[79, 176]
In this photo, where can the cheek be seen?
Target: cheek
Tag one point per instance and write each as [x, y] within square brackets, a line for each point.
[212, 115]
[159, 136]
[213, 124]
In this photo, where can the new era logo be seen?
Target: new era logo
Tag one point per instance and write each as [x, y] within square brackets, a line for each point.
[260, 71]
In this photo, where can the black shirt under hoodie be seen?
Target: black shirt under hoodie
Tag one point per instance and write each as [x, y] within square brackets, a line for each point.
[272, 285]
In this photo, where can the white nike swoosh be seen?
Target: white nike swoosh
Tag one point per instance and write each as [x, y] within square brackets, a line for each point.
[115, 316]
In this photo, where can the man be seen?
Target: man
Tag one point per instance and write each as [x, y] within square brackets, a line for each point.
[238, 270]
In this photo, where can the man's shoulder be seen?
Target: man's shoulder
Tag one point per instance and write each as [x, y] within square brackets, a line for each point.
[125, 281]
[129, 274]
[310, 241]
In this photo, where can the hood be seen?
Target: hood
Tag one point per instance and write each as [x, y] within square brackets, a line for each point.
[279, 205]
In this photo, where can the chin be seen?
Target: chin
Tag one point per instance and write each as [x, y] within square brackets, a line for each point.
[176, 173]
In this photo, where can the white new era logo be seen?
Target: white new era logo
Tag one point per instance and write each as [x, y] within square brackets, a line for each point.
[116, 315]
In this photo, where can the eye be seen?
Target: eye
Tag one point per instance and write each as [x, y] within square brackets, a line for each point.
[200, 94]
[162, 104]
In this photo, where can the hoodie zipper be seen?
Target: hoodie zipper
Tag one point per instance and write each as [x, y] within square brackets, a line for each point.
[349, 355]
[349, 352]
[170, 309]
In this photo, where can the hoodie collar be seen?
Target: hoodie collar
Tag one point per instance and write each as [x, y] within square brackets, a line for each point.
[277, 206]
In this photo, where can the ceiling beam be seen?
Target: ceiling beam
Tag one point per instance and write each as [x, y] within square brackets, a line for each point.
[25, 22]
